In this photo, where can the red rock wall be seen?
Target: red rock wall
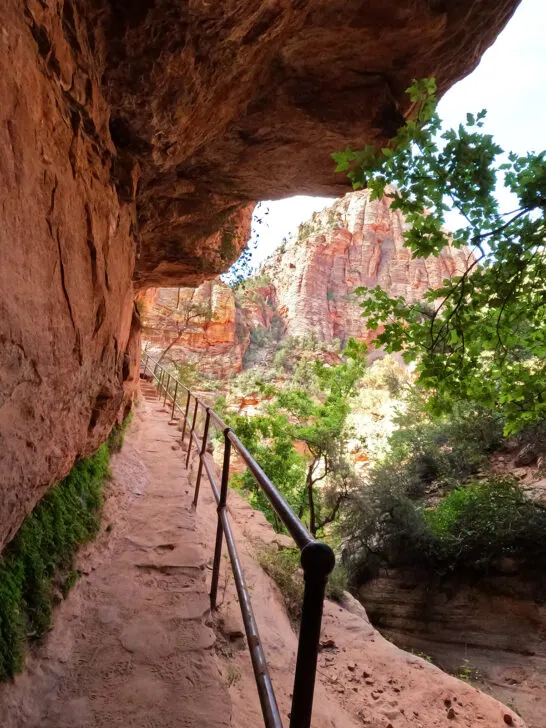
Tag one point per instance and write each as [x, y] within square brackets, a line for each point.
[356, 242]
[66, 259]
[216, 340]
[353, 243]
[493, 629]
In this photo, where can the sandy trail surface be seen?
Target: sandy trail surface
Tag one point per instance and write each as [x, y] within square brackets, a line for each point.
[135, 645]
[131, 645]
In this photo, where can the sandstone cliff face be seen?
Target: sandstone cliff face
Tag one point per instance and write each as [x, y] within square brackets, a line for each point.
[309, 284]
[356, 242]
[66, 259]
[135, 139]
[201, 325]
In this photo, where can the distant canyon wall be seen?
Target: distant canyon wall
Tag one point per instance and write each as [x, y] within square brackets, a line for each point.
[202, 325]
[356, 242]
[307, 286]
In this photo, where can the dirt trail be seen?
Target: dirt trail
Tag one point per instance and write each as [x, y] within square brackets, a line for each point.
[131, 645]
[134, 644]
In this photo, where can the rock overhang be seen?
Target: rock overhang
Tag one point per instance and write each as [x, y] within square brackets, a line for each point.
[228, 103]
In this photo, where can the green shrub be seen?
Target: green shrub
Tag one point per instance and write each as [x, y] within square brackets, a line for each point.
[338, 583]
[444, 451]
[381, 526]
[247, 287]
[470, 530]
[187, 372]
[305, 230]
[37, 564]
[476, 525]
[468, 672]
[283, 566]
[260, 336]
[273, 450]
[387, 373]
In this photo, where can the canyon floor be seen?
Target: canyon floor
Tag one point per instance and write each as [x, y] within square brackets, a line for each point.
[135, 643]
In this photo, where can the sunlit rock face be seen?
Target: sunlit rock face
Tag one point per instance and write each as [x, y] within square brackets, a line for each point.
[308, 285]
[135, 138]
[355, 243]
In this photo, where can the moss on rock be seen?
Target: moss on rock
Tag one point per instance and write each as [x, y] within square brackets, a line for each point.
[37, 566]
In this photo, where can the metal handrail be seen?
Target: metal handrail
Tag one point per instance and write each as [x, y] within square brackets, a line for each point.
[317, 559]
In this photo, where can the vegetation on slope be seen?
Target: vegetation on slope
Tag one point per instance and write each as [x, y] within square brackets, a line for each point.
[315, 416]
[37, 566]
[283, 566]
[434, 502]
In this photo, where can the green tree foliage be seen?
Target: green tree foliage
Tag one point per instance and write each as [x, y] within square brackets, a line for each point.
[482, 335]
[440, 452]
[317, 417]
[480, 524]
[269, 438]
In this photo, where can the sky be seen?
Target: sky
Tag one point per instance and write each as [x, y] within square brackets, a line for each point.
[510, 82]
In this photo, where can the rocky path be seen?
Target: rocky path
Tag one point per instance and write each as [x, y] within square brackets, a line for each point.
[131, 646]
[135, 646]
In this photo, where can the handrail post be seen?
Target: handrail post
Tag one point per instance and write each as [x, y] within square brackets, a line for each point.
[174, 398]
[146, 364]
[317, 561]
[191, 432]
[166, 389]
[201, 456]
[185, 416]
[160, 383]
[219, 530]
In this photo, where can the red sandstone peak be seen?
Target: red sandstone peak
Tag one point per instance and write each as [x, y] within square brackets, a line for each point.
[308, 284]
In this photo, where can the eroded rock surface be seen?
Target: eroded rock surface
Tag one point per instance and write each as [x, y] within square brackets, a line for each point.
[491, 633]
[203, 326]
[66, 258]
[227, 103]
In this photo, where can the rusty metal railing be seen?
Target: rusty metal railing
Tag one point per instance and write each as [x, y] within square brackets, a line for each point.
[317, 559]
